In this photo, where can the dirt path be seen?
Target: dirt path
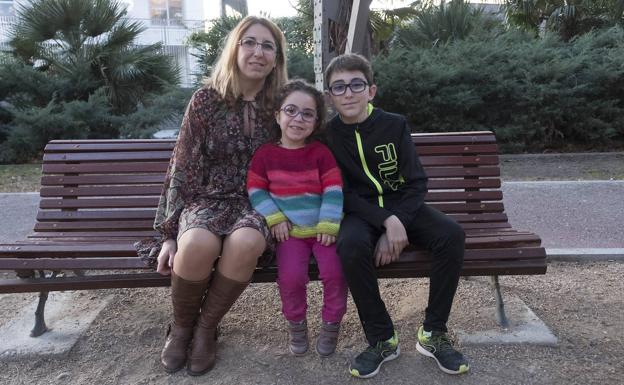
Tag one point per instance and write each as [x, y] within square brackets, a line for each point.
[581, 303]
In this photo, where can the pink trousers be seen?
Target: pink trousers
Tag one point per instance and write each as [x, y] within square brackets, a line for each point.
[293, 257]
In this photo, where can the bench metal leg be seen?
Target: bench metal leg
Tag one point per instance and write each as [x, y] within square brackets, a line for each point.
[40, 325]
[501, 318]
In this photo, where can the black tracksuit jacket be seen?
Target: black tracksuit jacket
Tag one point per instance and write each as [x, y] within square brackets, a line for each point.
[381, 172]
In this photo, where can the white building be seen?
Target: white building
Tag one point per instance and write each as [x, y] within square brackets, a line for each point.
[167, 21]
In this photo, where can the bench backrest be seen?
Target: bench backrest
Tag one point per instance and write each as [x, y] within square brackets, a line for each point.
[108, 189]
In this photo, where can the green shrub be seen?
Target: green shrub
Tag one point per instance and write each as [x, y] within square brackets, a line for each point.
[158, 112]
[32, 127]
[535, 94]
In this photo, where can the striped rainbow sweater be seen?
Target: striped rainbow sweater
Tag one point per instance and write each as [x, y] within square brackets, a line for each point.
[302, 186]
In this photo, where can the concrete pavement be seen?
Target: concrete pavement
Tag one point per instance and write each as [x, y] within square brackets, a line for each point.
[569, 215]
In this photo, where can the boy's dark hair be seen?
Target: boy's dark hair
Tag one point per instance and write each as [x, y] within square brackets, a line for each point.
[307, 88]
[350, 62]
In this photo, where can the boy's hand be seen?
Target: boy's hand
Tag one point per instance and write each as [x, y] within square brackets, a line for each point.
[280, 231]
[397, 237]
[382, 252]
[325, 239]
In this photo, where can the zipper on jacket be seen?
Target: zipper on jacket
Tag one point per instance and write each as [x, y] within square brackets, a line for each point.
[370, 176]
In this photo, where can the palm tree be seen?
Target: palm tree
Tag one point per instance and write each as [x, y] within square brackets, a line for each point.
[568, 17]
[385, 23]
[438, 24]
[91, 44]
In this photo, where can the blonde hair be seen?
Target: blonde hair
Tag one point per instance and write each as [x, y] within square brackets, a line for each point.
[225, 77]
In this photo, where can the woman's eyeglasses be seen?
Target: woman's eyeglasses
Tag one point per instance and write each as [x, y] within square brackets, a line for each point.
[307, 115]
[356, 86]
[250, 44]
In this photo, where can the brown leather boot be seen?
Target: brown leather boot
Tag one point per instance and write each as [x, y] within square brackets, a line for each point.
[220, 297]
[186, 297]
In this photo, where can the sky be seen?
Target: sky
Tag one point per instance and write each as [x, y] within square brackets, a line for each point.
[279, 8]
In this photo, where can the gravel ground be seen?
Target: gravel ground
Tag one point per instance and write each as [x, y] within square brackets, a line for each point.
[581, 303]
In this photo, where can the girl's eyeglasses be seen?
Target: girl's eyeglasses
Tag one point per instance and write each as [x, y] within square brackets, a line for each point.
[307, 114]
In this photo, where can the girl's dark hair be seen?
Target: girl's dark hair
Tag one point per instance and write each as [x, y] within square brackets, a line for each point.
[307, 88]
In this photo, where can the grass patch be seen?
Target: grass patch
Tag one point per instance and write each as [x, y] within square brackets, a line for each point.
[20, 177]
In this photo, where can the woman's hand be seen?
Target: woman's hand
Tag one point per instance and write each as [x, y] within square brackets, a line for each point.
[280, 231]
[325, 239]
[166, 256]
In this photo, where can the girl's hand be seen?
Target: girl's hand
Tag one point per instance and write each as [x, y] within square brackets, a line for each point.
[280, 231]
[325, 239]
[166, 256]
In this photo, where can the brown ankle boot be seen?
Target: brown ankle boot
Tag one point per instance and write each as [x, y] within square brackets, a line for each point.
[220, 297]
[186, 297]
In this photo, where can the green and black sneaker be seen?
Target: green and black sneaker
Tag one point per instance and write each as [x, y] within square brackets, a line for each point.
[438, 346]
[367, 363]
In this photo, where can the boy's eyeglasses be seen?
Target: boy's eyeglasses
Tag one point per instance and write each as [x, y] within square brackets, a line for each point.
[250, 44]
[355, 86]
[307, 115]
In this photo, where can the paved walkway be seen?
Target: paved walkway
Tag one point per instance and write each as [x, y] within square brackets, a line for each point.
[574, 215]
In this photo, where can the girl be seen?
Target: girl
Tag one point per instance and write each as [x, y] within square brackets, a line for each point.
[295, 184]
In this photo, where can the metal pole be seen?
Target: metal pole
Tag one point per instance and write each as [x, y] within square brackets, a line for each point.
[319, 35]
[355, 9]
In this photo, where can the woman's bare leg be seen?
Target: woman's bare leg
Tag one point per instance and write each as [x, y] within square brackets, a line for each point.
[198, 249]
[241, 250]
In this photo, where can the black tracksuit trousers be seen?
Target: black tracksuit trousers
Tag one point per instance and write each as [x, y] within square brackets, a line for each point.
[430, 229]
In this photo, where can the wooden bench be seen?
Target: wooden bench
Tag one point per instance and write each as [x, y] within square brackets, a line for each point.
[99, 196]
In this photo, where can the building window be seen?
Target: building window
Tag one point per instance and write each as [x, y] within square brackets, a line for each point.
[6, 8]
[166, 12]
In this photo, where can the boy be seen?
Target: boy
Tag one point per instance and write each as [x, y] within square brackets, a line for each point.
[384, 190]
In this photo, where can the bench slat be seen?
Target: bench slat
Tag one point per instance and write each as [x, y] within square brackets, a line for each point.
[451, 208]
[454, 196]
[137, 280]
[94, 226]
[454, 172]
[64, 180]
[113, 156]
[113, 147]
[487, 217]
[434, 184]
[453, 149]
[113, 263]
[100, 191]
[105, 168]
[44, 216]
[94, 203]
[55, 215]
[453, 138]
[429, 161]
[88, 235]
[126, 249]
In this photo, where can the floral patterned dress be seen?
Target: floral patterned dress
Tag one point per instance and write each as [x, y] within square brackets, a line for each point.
[205, 183]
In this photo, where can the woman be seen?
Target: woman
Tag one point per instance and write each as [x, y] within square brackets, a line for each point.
[204, 214]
